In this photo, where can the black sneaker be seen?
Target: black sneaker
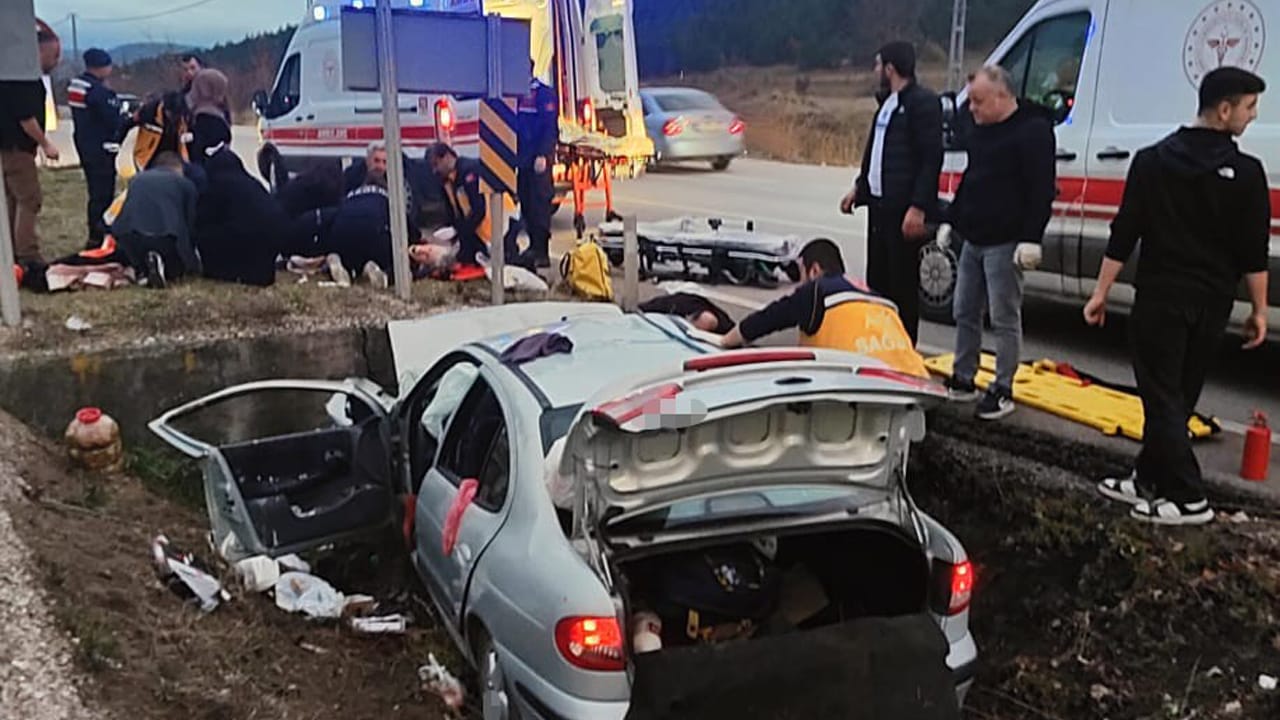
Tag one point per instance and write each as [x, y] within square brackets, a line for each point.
[1168, 512]
[155, 271]
[962, 392]
[996, 404]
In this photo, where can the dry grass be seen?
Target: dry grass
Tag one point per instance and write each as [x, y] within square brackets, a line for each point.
[198, 308]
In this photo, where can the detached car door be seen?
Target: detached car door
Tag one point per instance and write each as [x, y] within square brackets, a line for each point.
[288, 465]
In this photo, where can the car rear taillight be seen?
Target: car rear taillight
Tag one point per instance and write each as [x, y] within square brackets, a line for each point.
[673, 127]
[588, 113]
[953, 587]
[591, 643]
[446, 120]
[750, 357]
[624, 410]
[737, 127]
[897, 376]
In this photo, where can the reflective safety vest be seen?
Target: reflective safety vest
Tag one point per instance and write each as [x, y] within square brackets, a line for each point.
[869, 325]
[456, 193]
[151, 134]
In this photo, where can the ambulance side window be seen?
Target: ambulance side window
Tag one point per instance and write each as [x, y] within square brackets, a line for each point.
[1046, 62]
[288, 91]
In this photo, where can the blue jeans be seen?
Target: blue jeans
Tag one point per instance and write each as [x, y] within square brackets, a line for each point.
[988, 277]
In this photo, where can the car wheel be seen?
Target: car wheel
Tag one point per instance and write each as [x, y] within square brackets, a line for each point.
[939, 265]
[721, 164]
[495, 696]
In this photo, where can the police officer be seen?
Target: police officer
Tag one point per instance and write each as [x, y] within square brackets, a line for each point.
[95, 110]
[539, 131]
[461, 179]
[834, 312]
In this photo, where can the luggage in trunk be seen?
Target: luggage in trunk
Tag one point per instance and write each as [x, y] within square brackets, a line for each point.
[865, 669]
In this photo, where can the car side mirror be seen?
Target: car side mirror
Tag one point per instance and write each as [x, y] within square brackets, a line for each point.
[260, 102]
[453, 520]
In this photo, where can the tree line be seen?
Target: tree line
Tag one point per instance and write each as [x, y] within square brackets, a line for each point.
[701, 35]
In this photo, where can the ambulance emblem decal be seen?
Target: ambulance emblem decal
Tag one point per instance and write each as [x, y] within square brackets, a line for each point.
[1228, 33]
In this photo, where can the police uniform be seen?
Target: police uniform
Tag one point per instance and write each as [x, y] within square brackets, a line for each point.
[470, 212]
[836, 313]
[95, 110]
[539, 132]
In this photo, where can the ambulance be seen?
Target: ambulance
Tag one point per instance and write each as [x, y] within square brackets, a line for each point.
[587, 51]
[1119, 75]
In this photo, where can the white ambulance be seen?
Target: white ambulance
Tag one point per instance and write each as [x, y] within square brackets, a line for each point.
[1122, 74]
[586, 51]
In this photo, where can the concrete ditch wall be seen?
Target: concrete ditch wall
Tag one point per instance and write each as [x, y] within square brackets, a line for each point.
[135, 385]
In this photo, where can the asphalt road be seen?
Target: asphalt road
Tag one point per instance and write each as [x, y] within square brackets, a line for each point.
[803, 200]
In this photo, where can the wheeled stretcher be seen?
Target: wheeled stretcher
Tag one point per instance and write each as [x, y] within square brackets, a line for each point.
[708, 250]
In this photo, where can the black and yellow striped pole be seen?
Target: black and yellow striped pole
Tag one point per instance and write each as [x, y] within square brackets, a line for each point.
[499, 144]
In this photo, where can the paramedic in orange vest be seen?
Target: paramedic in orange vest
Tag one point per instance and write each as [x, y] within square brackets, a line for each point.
[461, 180]
[835, 312]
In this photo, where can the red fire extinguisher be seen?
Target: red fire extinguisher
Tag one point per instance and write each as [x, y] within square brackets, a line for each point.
[1257, 450]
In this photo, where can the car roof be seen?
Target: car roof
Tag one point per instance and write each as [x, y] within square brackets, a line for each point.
[674, 90]
[606, 350]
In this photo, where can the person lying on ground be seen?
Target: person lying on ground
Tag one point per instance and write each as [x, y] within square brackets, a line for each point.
[239, 225]
[834, 312]
[209, 127]
[699, 311]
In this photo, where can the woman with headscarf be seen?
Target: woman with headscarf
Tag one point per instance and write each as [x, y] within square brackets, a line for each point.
[209, 127]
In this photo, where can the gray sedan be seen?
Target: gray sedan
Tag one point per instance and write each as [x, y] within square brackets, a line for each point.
[550, 501]
[691, 125]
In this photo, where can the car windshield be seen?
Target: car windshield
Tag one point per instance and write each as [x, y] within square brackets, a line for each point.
[684, 102]
[754, 504]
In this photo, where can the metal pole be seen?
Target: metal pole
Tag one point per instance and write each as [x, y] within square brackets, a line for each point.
[9, 302]
[630, 264]
[497, 211]
[395, 160]
[75, 42]
[955, 68]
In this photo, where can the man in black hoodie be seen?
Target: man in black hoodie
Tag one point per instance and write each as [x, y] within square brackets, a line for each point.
[1201, 209]
[1000, 211]
[899, 181]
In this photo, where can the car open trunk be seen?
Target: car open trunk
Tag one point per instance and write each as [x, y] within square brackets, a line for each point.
[842, 629]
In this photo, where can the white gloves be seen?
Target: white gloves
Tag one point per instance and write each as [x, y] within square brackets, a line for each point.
[1027, 256]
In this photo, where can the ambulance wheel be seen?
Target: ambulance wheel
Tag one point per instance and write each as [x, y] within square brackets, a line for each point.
[721, 164]
[939, 265]
[272, 168]
[792, 270]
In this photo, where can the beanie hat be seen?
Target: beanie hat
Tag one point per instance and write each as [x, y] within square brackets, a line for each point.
[96, 58]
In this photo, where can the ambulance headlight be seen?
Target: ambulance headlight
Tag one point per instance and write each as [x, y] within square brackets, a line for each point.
[357, 4]
[416, 3]
[319, 12]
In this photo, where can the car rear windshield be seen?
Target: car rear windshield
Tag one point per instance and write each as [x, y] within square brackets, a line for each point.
[684, 102]
[555, 423]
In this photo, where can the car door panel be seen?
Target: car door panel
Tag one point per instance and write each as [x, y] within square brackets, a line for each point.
[273, 491]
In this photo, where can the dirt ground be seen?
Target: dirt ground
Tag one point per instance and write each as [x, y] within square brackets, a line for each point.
[199, 309]
[1078, 612]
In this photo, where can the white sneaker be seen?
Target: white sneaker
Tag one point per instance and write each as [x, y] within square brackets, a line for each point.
[376, 277]
[1167, 512]
[337, 270]
[1125, 489]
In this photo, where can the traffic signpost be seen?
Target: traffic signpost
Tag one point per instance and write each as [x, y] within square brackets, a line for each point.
[468, 55]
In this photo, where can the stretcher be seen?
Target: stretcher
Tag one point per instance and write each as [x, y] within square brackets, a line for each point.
[1055, 388]
[708, 250]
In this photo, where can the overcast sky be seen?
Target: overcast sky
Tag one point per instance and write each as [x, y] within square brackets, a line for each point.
[110, 23]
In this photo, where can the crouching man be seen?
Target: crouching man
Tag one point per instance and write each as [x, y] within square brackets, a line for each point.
[154, 227]
[834, 312]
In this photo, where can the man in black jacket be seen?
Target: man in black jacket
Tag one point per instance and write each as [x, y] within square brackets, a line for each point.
[1201, 209]
[899, 181]
[1000, 211]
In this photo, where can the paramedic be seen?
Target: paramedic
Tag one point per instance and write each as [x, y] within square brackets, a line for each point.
[1201, 210]
[162, 124]
[22, 117]
[461, 178]
[95, 110]
[834, 312]
[539, 126]
[899, 180]
[1001, 210]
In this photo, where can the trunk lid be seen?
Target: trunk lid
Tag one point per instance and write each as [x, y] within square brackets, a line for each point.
[794, 425]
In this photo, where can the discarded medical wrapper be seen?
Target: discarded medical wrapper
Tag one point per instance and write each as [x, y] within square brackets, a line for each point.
[436, 679]
[709, 248]
[308, 594]
[178, 571]
[384, 625]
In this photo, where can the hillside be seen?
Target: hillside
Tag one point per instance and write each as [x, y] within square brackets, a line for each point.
[134, 52]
